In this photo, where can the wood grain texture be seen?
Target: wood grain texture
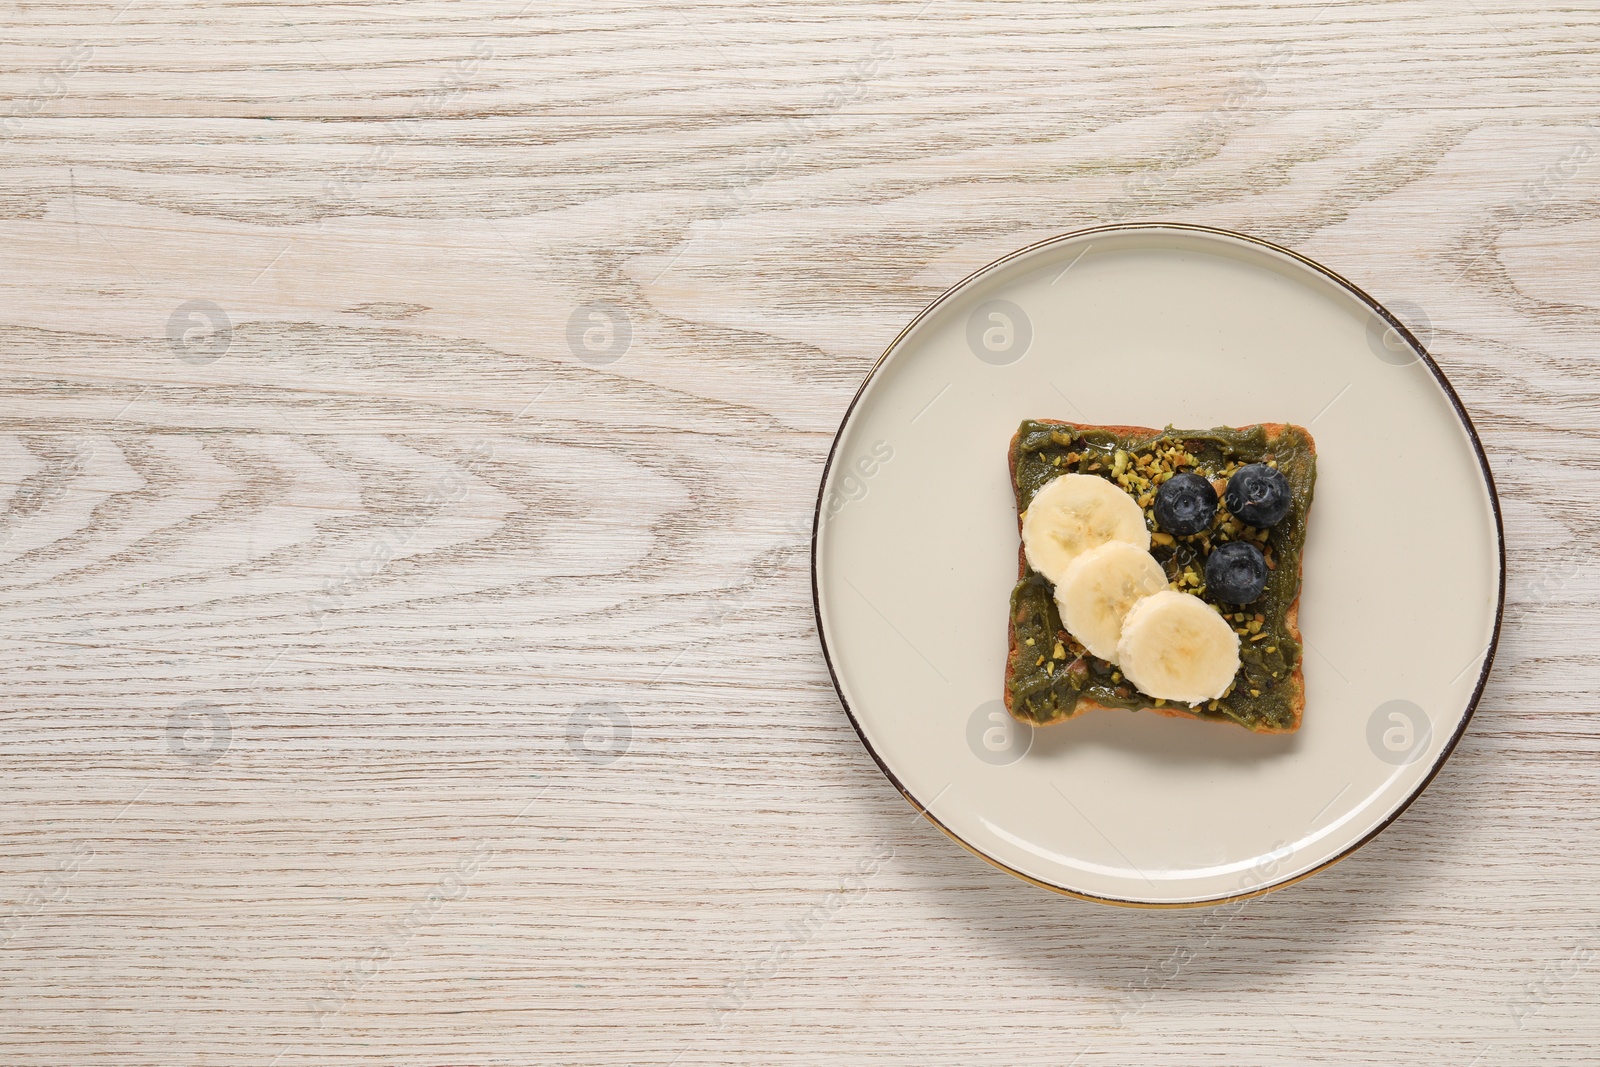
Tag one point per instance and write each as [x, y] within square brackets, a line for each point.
[387, 684]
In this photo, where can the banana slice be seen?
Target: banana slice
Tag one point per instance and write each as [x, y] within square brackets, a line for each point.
[1099, 587]
[1177, 647]
[1073, 514]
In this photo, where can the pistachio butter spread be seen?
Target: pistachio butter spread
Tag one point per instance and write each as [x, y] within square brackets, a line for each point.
[1050, 673]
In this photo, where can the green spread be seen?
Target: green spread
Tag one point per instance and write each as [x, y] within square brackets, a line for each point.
[1050, 672]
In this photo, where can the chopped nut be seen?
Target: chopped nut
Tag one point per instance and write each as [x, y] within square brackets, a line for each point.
[1039, 662]
[1260, 637]
[1255, 692]
[1030, 642]
[1059, 652]
[1119, 462]
[1254, 625]
[1272, 648]
[1161, 538]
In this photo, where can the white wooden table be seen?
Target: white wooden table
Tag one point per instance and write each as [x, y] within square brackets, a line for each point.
[413, 415]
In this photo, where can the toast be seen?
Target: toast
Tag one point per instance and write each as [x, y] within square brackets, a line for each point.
[1268, 693]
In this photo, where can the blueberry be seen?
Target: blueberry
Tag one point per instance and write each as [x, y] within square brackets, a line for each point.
[1258, 495]
[1236, 573]
[1185, 504]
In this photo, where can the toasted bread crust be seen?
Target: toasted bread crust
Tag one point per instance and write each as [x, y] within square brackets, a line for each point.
[1296, 679]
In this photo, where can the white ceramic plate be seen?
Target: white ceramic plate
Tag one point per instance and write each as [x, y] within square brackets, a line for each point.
[915, 554]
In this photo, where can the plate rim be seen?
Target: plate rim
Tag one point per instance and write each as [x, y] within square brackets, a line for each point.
[1439, 376]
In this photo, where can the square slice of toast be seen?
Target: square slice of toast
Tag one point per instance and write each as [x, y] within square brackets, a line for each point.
[1050, 677]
